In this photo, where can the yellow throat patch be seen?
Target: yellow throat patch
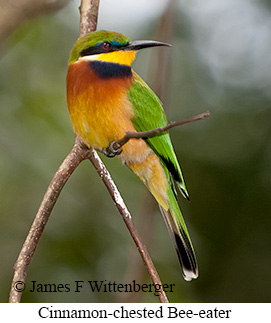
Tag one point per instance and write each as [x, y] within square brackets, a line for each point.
[125, 57]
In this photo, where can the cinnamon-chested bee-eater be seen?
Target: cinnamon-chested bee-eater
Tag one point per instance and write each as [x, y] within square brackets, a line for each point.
[105, 99]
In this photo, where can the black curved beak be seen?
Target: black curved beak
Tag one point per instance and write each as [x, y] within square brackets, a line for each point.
[139, 44]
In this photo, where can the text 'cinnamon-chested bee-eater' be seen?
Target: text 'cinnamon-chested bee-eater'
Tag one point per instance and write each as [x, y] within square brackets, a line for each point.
[105, 99]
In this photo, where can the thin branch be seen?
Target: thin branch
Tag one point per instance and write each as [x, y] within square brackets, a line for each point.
[88, 16]
[115, 146]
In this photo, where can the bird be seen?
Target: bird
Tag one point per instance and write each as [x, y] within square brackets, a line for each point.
[106, 98]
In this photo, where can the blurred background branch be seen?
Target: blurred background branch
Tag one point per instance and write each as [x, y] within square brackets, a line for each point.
[13, 13]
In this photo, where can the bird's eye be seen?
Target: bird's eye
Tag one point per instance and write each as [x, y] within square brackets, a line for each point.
[107, 45]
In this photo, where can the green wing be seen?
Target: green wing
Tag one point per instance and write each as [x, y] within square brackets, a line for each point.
[149, 114]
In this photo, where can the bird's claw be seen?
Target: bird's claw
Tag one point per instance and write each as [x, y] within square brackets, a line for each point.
[112, 150]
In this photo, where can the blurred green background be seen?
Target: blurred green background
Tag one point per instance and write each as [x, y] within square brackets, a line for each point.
[220, 60]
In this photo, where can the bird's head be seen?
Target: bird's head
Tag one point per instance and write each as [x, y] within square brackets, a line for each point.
[109, 46]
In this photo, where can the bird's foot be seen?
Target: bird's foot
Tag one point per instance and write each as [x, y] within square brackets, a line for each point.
[112, 150]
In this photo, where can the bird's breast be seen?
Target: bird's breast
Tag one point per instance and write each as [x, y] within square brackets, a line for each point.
[97, 99]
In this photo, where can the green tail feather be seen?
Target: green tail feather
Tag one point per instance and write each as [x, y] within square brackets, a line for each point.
[180, 236]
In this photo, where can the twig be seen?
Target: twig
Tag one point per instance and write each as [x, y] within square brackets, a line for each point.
[88, 16]
[115, 146]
